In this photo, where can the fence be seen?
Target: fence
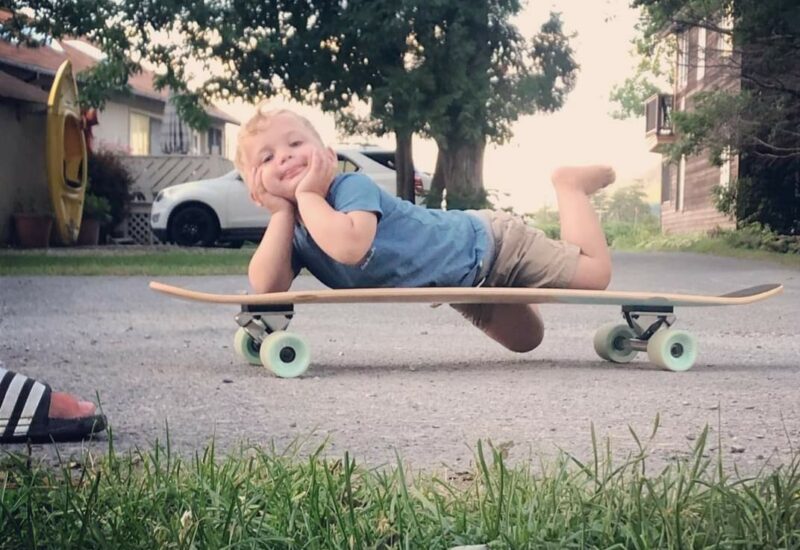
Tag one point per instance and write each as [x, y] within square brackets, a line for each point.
[153, 173]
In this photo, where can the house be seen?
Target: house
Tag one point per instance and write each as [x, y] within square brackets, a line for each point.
[687, 201]
[130, 124]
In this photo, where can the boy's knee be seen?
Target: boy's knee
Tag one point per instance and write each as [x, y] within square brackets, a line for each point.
[524, 343]
[604, 277]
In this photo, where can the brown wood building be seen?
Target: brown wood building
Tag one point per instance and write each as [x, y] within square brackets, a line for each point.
[704, 62]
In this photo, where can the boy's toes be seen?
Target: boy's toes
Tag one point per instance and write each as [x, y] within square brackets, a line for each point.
[64, 405]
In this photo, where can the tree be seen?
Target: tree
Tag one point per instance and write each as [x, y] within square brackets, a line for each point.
[460, 73]
[764, 38]
[760, 121]
[485, 76]
[628, 205]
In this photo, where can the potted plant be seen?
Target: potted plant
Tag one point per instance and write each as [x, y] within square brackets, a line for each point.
[96, 213]
[32, 225]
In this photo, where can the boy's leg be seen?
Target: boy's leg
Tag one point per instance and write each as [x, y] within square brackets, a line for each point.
[580, 224]
[519, 327]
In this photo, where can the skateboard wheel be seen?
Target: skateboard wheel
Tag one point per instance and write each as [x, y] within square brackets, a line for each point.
[285, 354]
[611, 343]
[672, 349]
[246, 347]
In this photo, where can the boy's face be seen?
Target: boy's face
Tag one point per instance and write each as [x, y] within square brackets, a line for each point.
[278, 155]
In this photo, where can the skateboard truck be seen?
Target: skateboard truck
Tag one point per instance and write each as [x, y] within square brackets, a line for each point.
[647, 329]
[662, 315]
[259, 321]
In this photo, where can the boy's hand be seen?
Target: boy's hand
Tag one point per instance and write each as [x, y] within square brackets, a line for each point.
[320, 174]
[273, 203]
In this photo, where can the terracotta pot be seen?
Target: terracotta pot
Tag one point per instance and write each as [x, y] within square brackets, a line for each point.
[33, 230]
[89, 234]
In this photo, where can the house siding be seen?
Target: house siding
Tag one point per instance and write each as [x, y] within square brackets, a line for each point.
[23, 179]
[698, 212]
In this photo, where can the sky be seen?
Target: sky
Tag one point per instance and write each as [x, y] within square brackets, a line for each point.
[581, 132]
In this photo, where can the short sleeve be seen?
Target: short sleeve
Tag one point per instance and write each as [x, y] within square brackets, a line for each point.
[353, 191]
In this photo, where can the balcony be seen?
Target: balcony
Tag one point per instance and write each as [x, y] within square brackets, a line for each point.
[658, 122]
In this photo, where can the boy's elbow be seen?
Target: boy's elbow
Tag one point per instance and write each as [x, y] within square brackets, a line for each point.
[352, 255]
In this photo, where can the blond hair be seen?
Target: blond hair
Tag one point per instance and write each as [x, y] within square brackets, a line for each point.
[263, 115]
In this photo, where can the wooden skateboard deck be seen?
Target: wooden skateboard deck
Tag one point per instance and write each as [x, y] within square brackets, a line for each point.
[262, 338]
[476, 296]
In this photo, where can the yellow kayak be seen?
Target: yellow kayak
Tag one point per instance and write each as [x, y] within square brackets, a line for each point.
[66, 155]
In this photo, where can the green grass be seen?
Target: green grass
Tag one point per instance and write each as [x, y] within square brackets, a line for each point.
[752, 242]
[257, 498]
[139, 261]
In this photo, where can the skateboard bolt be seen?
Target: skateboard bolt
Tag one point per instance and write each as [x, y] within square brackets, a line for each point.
[287, 354]
[676, 350]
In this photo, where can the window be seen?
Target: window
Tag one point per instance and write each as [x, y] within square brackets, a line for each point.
[681, 185]
[725, 169]
[725, 36]
[683, 60]
[381, 157]
[666, 180]
[139, 134]
[701, 53]
[214, 141]
[347, 165]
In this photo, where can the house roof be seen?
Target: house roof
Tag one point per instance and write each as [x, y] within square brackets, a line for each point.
[47, 59]
[14, 88]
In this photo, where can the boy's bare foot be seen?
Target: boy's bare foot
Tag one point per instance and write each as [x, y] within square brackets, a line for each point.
[64, 405]
[587, 179]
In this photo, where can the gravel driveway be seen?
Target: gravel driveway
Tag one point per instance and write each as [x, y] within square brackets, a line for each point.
[413, 379]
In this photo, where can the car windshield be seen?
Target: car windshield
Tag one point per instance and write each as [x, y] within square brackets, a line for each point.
[386, 158]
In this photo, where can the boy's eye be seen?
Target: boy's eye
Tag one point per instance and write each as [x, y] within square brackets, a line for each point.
[266, 159]
[295, 143]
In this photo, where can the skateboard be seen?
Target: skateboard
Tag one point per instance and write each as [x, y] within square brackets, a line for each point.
[262, 338]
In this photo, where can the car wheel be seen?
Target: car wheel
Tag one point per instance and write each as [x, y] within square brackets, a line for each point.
[194, 225]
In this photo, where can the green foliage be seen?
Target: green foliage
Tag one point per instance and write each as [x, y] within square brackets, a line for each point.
[755, 236]
[652, 75]
[265, 498]
[111, 180]
[459, 72]
[97, 208]
[765, 114]
[628, 204]
[766, 193]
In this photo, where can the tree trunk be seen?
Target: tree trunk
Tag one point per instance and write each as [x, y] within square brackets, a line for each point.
[459, 169]
[404, 166]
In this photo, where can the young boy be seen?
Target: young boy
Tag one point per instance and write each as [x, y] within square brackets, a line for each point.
[350, 233]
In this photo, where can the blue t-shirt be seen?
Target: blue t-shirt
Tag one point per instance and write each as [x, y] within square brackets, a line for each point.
[413, 246]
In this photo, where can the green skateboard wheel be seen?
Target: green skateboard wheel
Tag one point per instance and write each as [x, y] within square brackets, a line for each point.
[246, 347]
[285, 354]
[610, 343]
[672, 349]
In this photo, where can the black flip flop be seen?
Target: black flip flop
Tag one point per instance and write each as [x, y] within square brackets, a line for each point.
[24, 408]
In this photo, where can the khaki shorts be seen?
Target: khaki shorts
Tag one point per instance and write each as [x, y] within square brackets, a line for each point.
[523, 257]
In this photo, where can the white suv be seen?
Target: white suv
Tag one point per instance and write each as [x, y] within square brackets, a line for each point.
[219, 210]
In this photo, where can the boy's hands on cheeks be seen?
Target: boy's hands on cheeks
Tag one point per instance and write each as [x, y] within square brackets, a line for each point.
[271, 202]
[320, 173]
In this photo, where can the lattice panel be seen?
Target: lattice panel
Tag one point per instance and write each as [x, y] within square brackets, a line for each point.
[137, 225]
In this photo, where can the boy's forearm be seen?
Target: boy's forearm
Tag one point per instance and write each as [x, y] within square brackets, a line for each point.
[270, 268]
[333, 231]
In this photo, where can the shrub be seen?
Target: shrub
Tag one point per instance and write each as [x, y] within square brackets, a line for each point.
[110, 179]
